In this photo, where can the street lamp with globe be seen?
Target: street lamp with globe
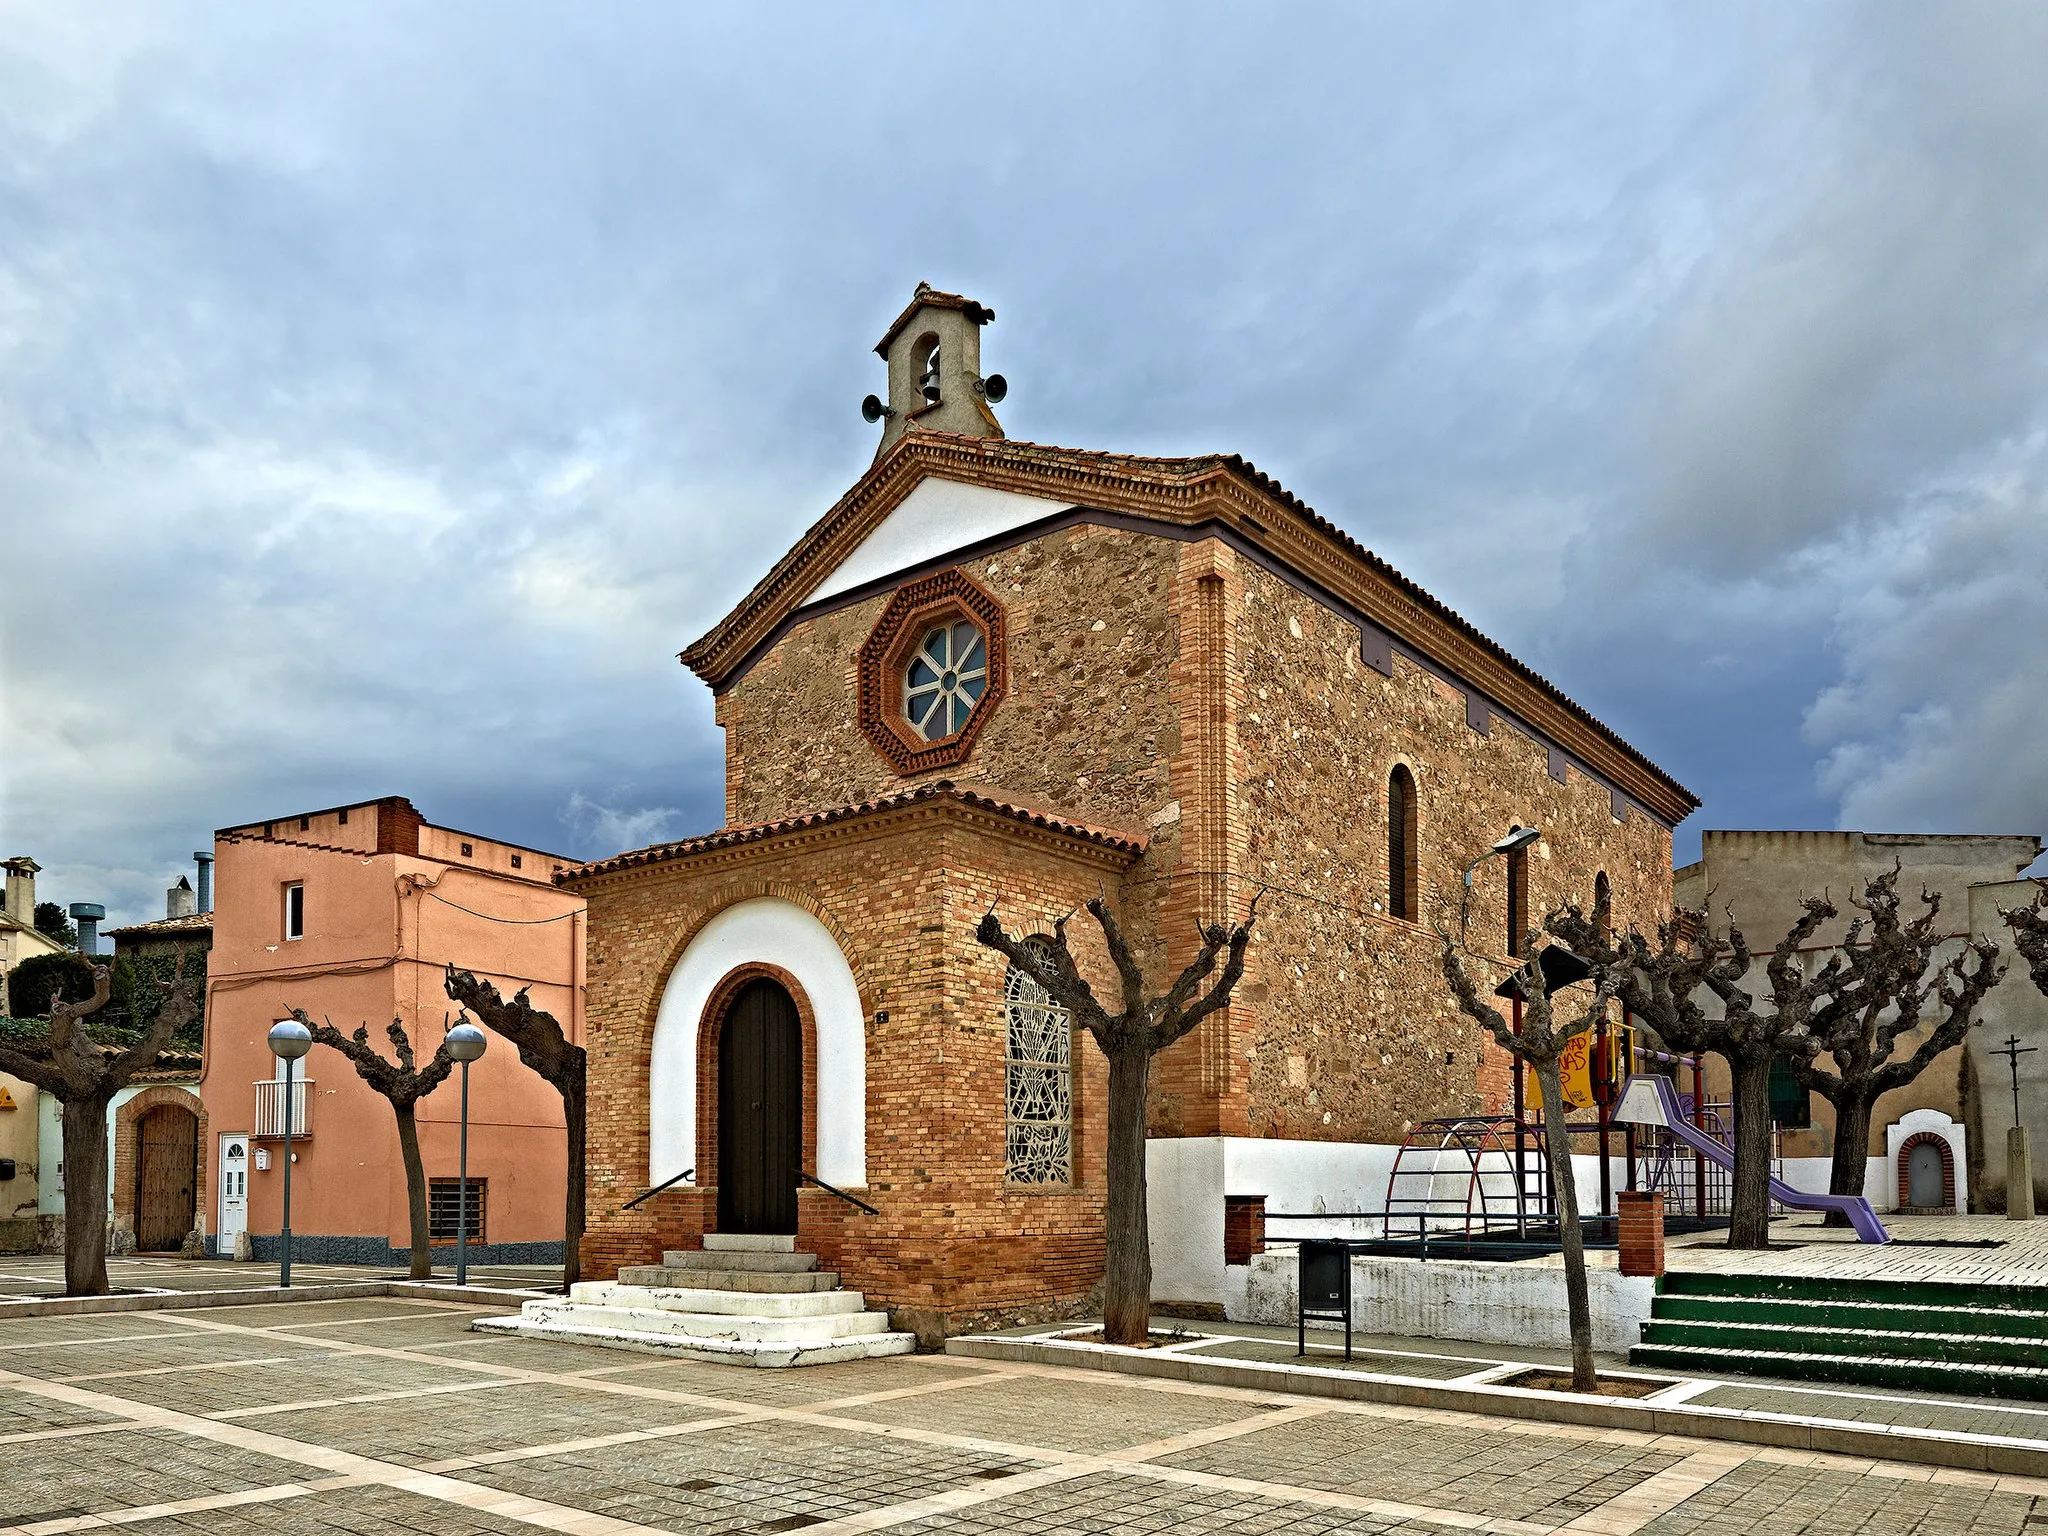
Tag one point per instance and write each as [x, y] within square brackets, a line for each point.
[466, 1044]
[289, 1040]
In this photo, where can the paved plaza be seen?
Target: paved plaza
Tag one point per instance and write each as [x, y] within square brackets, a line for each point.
[388, 1415]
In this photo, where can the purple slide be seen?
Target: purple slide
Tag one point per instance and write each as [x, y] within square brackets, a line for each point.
[1654, 1101]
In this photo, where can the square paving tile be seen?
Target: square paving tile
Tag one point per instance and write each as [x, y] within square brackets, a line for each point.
[411, 1332]
[1060, 1413]
[1101, 1503]
[185, 1348]
[1552, 1479]
[24, 1413]
[358, 1511]
[19, 1331]
[1429, 1363]
[535, 1354]
[298, 1313]
[791, 1388]
[744, 1478]
[123, 1468]
[416, 1430]
[1762, 1498]
[291, 1381]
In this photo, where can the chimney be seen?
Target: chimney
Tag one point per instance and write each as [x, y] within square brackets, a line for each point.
[21, 888]
[205, 863]
[178, 900]
[87, 915]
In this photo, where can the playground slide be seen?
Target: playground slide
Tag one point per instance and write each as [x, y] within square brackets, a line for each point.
[1664, 1109]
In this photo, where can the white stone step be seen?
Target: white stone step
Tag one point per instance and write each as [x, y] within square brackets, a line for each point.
[611, 1293]
[661, 1277]
[756, 1352]
[709, 1325]
[750, 1242]
[766, 1260]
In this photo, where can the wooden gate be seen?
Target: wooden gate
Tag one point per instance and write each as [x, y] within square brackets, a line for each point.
[167, 1142]
[760, 1110]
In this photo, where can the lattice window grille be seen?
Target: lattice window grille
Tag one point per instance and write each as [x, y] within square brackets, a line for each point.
[1039, 1082]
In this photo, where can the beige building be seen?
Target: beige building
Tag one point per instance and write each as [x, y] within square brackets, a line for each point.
[1962, 1102]
[20, 940]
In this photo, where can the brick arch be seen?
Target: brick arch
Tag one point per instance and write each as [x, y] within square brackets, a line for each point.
[1948, 1169]
[709, 1025]
[128, 1154]
[838, 1053]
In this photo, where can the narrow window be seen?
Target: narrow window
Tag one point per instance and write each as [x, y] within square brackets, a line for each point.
[295, 911]
[928, 369]
[466, 851]
[445, 1210]
[344, 816]
[1403, 895]
[305, 823]
[1518, 899]
[1039, 1085]
[515, 861]
[1601, 895]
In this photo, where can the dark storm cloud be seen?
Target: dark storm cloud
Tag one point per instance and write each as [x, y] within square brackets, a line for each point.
[386, 395]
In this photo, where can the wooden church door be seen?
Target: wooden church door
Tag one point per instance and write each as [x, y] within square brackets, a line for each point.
[760, 1110]
[168, 1143]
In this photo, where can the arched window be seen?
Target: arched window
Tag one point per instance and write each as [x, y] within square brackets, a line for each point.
[1601, 895]
[928, 369]
[1518, 899]
[1403, 891]
[1038, 1079]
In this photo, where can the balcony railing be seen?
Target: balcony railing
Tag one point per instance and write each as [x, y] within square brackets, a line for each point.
[270, 1107]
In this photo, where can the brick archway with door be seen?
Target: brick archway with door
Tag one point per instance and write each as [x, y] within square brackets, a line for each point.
[1948, 1171]
[128, 1160]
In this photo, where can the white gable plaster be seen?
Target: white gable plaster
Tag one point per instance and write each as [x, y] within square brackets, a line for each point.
[937, 518]
[772, 932]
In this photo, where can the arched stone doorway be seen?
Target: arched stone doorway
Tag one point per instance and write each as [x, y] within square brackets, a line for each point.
[1927, 1173]
[760, 1109]
[166, 1177]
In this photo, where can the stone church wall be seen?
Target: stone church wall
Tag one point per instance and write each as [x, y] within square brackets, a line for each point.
[1355, 1032]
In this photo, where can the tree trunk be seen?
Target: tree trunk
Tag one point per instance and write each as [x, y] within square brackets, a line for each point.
[1127, 1280]
[1749, 1221]
[415, 1193]
[1564, 1191]
[85, 1195]
[1852, 1148]
[572, 1222]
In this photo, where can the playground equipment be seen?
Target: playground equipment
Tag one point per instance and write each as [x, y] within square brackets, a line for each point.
[1653, 1101]
[1457, 1174]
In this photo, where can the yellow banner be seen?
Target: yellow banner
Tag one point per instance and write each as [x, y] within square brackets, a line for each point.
[1575, 1068]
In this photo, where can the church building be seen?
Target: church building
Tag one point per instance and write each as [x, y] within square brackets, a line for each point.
[1002, 675]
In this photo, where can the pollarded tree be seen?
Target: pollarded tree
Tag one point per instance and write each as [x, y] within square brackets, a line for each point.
[403, 1086]
[1130, 1038]
[84, 1074]
[545, 1049]
[1541, 1042]
[1882, 995]
[2029, 926]
[1662, 985]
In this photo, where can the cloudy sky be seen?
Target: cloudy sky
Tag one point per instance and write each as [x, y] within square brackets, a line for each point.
[388, 393]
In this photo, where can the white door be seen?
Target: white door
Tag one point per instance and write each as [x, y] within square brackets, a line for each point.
[234, 1190]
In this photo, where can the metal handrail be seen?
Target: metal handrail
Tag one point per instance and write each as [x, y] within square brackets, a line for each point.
[810, 1178]
[648, 1193]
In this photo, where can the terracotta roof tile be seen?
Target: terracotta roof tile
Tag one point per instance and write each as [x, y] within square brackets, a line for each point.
[195, 922]
[943, 789]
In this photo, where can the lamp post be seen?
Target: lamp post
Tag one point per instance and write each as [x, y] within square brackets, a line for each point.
[1519, 837]
[465, 1043]
[289, 1041]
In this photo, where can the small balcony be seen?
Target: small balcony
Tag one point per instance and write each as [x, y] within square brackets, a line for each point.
[270, 1108]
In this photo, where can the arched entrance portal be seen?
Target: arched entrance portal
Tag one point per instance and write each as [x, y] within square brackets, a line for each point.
[166, 1178]
[760, 1110]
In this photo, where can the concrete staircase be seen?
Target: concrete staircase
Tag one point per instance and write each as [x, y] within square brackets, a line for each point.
[1923, 1335]
[742, 1299]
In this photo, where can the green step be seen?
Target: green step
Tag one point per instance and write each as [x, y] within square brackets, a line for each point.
[1898, 1293]
[2009, 1381]
[2007, 1322]
[1957, 1348]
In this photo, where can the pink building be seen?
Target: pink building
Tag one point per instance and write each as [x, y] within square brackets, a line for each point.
[352, 914]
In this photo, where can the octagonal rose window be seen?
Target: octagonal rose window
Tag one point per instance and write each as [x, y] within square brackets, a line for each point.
[945, 678]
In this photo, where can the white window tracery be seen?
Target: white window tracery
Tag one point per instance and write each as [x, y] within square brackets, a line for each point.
[945, 679]
[1038, 1083]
